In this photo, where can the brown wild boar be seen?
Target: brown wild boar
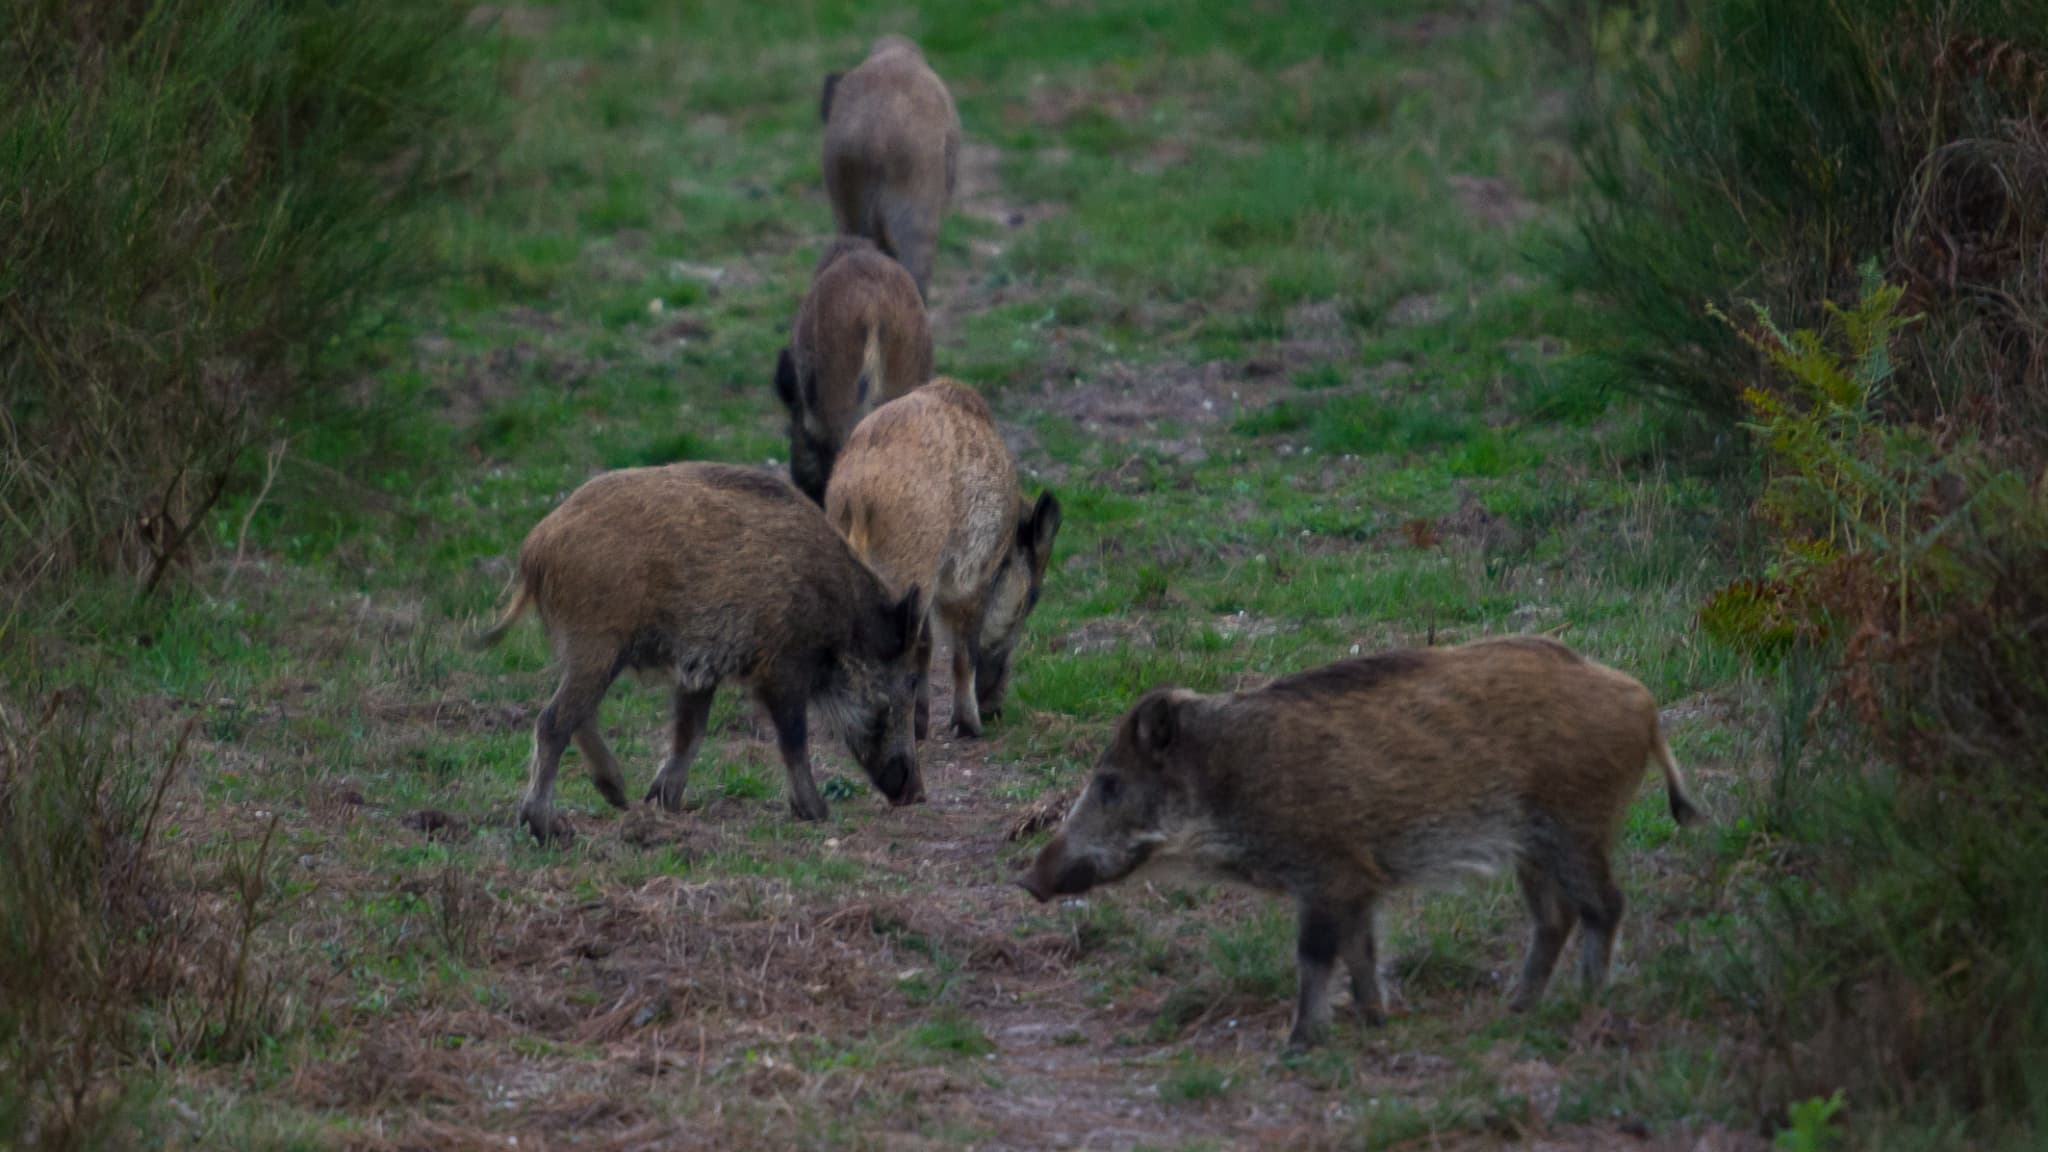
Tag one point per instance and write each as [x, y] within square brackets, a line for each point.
[892, 153]
[926, 492]
[1339, 785]
[860, 339]
[713, 572]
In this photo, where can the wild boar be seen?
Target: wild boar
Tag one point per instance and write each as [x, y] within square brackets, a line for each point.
[892, 153]
[1338, 785]
[710, 572]
[926, 492]
[860, 339]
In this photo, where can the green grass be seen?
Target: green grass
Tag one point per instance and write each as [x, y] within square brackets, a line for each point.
[1194, 1081]
[951, 1035]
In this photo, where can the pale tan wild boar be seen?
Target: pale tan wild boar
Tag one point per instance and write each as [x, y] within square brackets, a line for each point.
[860, 339]
[926, 492]
[712, 572]
[1339, 785]
[892, 153]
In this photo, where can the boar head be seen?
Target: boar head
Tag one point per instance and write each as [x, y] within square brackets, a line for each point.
[1135, 807]
[811, 452]
[880, 697]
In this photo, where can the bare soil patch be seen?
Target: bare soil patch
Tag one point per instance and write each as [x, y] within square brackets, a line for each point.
[466, 388]
[1492, 201]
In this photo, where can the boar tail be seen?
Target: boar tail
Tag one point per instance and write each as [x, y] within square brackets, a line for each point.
[522, 599]
[871, 382]
[857, 524]
[1683, 810]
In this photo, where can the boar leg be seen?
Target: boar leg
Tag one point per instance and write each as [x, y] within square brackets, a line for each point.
[1362, 957]
[1590, 888]
[846, 186]
[923, 719]
[1317, 942]
[792, 739]
[966, 709]
[604, 767]
[1551, 919]
[912, 237]
[574, 705]
[692, 716]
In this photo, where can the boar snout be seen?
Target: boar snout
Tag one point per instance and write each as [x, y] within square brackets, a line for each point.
[899, 782]
[1056, 873]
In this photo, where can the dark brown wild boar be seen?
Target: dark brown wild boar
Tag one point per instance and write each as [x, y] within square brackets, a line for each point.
[713, 572]
[926, 492]
[1341, 784]
[892, 153]
[860, 339]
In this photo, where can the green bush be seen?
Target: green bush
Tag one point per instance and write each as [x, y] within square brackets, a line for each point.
[1763, 149]
[1828, 222]
[1903, 953]
[199, 199]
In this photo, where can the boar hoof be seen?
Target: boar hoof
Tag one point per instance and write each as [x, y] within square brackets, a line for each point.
[1302, 1039]
[1372, 1017]
[814, 810]
[965, 731]
[549, 829]
[613, 791]
[670, 798]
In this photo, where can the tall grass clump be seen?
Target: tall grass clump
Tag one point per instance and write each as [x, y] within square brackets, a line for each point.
[117, 950]
[1823, 225]
[1764, 149]
[199, 201]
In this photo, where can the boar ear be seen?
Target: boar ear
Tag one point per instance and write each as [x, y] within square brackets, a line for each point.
[1037, 531]
[825, 97]
[1154, 721]
[785, 380]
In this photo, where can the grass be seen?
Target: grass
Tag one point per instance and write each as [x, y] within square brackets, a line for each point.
[1194, 1081]
[951, 1035]
[1254, 229]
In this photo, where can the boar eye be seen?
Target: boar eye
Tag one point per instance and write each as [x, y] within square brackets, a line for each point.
[1109, 786]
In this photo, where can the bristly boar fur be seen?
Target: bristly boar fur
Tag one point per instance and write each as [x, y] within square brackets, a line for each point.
[713, 572]
[892, 153]
[926, 492]
[1339, 785]
[860, 339]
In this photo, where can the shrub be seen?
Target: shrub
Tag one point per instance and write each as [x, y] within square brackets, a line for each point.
[202, 198]
[1911, 547]
[1828, 221]
[108, 953]
[1905, 952]
[1764, 148]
